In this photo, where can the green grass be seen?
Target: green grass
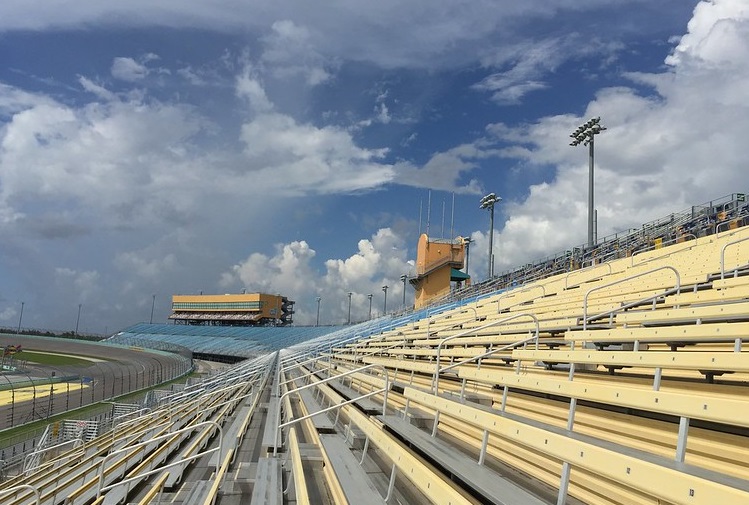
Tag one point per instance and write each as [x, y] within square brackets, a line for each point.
[51, 359]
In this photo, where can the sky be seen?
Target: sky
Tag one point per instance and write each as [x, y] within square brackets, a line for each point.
[157, 148]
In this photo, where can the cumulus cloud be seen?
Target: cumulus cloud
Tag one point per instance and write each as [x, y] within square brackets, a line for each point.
[378, 261]
[103, 156]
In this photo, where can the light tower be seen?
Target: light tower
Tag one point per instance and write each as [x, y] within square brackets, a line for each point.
[488, 203]
[404, 278]
[584, 135]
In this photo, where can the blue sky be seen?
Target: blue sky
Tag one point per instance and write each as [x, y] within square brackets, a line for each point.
[290, 147]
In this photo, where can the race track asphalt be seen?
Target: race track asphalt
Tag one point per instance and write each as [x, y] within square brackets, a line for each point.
[112, 372]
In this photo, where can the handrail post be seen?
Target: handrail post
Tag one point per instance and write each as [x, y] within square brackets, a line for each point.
[723, 255]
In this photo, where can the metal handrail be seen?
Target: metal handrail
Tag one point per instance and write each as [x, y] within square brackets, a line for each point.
[138, 414]
[436, 376]
[675, 289]
[446, 315]
[493, 351]
[19, 487]
[138, 433]
[172, 399]
[40, 451]
[329, 379]
[514, 292]
[299, 365]
[316, 348]
[653, 248]
[102, 463]
[379, 349]
[222, 378]
[300, 377]
[723, 255]
[581, 270]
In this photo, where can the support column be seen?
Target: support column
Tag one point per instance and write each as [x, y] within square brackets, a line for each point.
[564, 484]
[681, 442]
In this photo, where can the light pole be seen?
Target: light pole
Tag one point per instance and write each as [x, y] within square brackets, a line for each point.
[349, 306]
[584, 135]
[404, 277]
[153, 302]
[488, 203]
[20, 318]
[78, 320]
[385, 305]
[317, 322]
[370, 304]
[467, 243]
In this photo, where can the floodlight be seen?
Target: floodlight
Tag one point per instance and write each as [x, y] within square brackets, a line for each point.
[584, 134]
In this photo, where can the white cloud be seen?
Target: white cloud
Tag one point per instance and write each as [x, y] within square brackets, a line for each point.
[13, 100]
[523, 66]
[716, 34]
[290, 51]
[300, 158]
[306, 158]
[127, 69]
[98, 90]
[447, 170]
[101, 157]
[379, 261]
[250, 88]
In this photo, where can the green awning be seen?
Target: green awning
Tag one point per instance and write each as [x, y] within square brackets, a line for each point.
[457, 275]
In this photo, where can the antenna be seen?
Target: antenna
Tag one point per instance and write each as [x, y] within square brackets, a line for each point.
[443, 217]
[429, 209]
[452, 218]
[421, 204]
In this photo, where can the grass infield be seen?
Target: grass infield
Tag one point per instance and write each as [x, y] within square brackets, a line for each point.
[51, 359]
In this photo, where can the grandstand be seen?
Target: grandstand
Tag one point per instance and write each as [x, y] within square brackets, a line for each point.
[621, 380]
[246, 309]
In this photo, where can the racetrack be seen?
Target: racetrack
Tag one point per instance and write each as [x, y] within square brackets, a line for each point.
[39, 391]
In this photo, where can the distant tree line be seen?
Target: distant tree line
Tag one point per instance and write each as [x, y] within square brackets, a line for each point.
[50, 333]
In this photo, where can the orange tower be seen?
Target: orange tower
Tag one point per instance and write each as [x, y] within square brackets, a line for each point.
[438, 263]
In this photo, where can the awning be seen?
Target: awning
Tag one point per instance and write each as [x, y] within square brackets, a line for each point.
[457, 275]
